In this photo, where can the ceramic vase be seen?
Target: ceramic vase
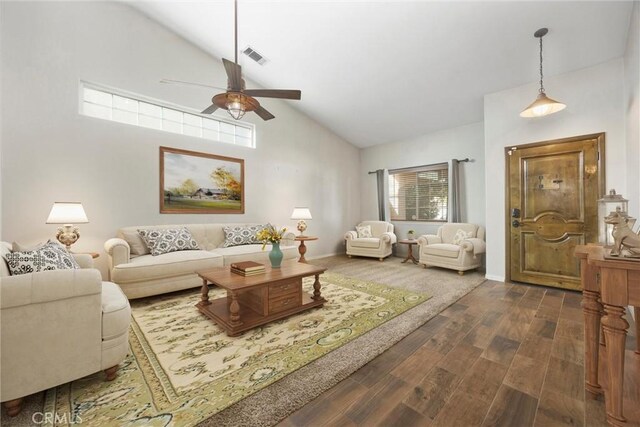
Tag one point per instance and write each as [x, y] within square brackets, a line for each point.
[275, 256]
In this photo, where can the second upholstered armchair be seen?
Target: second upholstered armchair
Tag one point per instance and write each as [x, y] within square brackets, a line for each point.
[371, 239]
[458, 246]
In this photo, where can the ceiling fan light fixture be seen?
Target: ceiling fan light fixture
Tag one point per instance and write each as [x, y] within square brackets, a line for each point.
[543, 105]
[236, 109]
[236, 103]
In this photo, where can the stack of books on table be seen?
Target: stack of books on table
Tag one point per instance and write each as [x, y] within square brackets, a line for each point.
[247, 268]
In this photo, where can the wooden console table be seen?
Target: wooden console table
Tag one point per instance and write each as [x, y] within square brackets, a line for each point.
[609, 286]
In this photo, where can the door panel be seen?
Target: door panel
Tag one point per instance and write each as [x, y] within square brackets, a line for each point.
[553, 193]
[551, 257]
[550, 181]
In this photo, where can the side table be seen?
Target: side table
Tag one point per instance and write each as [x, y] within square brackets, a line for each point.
[303, 249]
[409, 243]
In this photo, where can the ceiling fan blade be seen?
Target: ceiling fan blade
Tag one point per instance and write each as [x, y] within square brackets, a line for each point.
[210, 109]
[183, 83]
[264, 114]
[274, 93]
[234, 72]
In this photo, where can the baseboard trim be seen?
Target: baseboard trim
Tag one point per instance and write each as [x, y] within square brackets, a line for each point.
[495, 278]
[324, 256]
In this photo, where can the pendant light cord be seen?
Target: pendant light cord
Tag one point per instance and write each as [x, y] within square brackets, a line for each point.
[541, 85]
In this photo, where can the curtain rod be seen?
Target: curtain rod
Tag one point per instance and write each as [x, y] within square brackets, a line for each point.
[466, 159]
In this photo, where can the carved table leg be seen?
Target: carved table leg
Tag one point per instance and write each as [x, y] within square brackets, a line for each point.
[302, 250]
[13, 406]
[316, 288]
[591, 308]
[234, 309]
[204, 299]
[615, 331]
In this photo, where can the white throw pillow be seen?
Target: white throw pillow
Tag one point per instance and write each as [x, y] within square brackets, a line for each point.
[50, 256]
[364, 231]
[162, 241]
[460, 236]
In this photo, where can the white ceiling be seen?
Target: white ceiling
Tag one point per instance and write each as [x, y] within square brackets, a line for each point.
[383, 71]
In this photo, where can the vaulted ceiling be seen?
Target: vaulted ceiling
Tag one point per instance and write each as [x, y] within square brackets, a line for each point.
[382, 71]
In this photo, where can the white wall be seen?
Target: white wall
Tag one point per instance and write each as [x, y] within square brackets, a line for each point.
[632, 111]
[456, 143]
[594, 98]
[51, 153]
[632, 114]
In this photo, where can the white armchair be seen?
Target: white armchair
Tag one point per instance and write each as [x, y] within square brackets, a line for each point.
[58, 326]
[377, 246]
[441, 251]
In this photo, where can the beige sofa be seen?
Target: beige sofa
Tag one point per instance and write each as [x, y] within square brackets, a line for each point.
[141, 274]
[58, 326]
[440, 251]
[377, 246]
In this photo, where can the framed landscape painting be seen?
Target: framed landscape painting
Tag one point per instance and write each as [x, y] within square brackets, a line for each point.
[192, 182]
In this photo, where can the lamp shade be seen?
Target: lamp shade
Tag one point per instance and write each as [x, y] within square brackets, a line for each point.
[67, 213]
[301, 213]
[542, 106]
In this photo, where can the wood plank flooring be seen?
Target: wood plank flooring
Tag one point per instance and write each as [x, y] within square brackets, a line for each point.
[503, 355]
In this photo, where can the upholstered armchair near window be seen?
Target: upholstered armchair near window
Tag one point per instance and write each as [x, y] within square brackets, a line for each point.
[58, 326]
[458, 246]
[371, 239]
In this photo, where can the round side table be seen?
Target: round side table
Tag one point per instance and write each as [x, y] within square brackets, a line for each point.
[303, 249]
[410, 244]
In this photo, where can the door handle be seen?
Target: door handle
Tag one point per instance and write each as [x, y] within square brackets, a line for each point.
[515, 223]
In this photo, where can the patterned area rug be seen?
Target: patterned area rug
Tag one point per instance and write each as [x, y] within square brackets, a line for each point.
[184, 368]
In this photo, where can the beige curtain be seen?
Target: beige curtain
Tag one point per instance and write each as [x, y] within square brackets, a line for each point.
[382, 178]
[454, 191]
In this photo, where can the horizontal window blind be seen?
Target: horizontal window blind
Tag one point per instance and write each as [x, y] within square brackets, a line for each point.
[106, 104]
[419, 194]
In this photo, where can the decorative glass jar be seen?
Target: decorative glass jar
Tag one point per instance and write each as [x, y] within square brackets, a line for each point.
[611, 203]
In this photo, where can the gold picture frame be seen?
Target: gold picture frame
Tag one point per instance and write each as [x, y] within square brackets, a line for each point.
[201, 183]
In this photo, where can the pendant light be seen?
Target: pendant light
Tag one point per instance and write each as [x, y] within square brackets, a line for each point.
[543, 105]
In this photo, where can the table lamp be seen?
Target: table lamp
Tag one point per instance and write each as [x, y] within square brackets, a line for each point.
[67, 213]
[301, 214]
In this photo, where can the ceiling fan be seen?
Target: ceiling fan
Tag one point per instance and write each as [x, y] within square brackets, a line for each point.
[238, 100]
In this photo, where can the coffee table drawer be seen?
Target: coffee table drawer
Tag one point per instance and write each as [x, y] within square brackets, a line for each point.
[284, 288]
[284, 303]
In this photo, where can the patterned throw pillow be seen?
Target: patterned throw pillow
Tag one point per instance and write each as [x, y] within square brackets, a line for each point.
[364, 231]
[163, 241]
[460, 236]
[238, 235]
[50, 256]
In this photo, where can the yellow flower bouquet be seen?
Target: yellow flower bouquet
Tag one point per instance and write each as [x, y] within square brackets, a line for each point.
[270, 234]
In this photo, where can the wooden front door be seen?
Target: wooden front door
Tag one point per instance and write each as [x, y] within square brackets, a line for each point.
[552, 207]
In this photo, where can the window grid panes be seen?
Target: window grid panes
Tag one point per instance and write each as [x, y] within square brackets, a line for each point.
[419, 194]
[117, 107]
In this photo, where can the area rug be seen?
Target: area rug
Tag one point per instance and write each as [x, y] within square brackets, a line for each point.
[184, 369]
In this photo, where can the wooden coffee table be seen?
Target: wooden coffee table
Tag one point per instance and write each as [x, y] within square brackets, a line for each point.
[255, 300]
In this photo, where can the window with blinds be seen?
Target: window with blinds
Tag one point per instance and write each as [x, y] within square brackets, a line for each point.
[108, 104]
[419, 194]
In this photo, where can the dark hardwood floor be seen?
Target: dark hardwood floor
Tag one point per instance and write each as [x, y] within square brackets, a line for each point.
[503, 355]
